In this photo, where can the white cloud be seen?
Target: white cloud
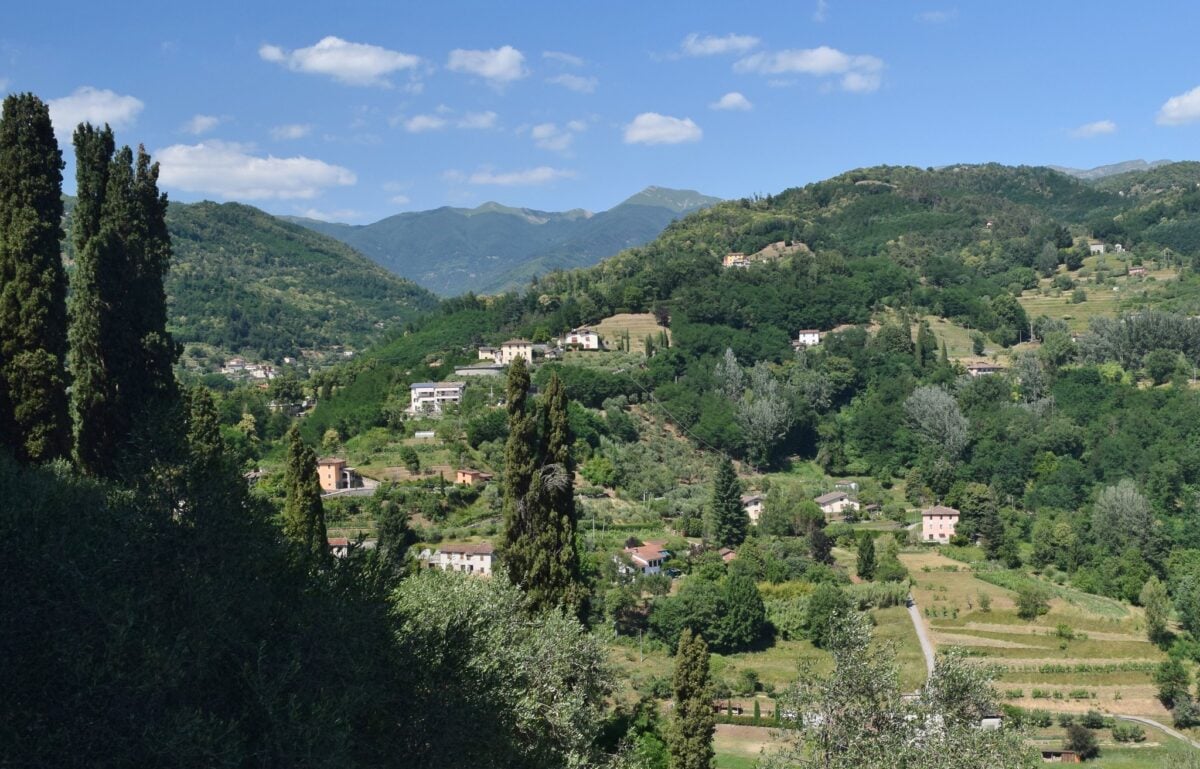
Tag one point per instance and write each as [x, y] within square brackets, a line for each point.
[3, 84]
[711, 45]
[478, 120]
[549, 136]
[400, 200]
[291, 131]
[423, 123]
[653, 128]
[93, 105]
[732, 101]
[822, 11]
[575, 83]
[859, 73]
[563, 58]
[346, 62]
[937, 17]
[1184, 108]
[1098, 128]
[499, 66]
[228, 171]
[526, 177]
[201, 124]
[337, 215]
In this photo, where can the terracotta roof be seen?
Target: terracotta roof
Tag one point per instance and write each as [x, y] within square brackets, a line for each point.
[469, 548]
[339, 542]
[651, 551]
[832, 496]
[330, 461]
[940, 510]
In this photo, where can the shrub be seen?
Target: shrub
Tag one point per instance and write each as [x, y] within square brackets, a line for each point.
[1092, 720]
[1066, 719]
[1082, 741]
[1032, 602]
[1124, 732]
[1041, 718]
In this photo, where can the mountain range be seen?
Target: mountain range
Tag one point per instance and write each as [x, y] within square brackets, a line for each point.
[1100, 172]
[494, 247]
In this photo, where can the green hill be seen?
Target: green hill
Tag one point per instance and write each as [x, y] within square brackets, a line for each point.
[243, 281]
[494, 247]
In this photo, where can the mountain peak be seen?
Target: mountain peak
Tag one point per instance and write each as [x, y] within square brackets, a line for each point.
[678, 201]
[1099, 172]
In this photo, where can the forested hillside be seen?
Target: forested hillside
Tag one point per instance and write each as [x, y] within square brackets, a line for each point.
[244, 281]
[492, 247]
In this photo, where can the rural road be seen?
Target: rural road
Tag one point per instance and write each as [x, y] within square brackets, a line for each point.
[922, 636]
[927, 650]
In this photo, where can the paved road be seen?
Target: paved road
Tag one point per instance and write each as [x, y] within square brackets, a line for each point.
[1162, 727]
[922, 636]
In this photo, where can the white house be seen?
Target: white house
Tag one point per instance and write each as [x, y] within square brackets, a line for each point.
[582, 339]
[808, 337]
[472, 558]
[1095, 247]
[488, 353]
[836, 503]
[430, 397]
[983, 369]
[753, 505]
[648, 558]
[513, 349]
[938, 523]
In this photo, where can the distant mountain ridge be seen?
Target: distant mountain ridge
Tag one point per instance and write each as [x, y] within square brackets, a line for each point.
[1100, 172]
[494, 247]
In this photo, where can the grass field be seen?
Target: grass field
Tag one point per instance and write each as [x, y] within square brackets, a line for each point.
[639, 326]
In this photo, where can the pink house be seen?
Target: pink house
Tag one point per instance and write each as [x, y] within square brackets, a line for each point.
[938, 524]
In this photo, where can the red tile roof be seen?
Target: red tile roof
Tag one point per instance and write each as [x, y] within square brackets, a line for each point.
[469, 548]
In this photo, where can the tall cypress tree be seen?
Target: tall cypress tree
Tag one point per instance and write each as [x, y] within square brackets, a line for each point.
[520, 465]
[556, 580]
[866, 557]
[690, 738]
[303, 513]
[215, 492]
[729, 521]
[33, 284]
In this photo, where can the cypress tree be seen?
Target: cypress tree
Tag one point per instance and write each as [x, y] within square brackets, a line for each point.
[556, 579]
[518, 547]
[866, 556]
[303, 513]
[33, 285]
[215, 491]
[693, 722]
[95, 413]
[729, 521]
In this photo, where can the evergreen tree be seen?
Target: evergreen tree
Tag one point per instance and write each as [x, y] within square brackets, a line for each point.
[745, 614]
[557, 581]
[303, 513]
[866, 556]
[95, 413]
[729, 521]
[1157, 604]
[520, 465]
[693, 721]
[33, 285]
[215, 492]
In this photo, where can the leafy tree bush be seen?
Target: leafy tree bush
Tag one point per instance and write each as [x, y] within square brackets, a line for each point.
[1082, 741]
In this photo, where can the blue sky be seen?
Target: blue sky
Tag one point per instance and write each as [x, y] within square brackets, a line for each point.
[358, 112]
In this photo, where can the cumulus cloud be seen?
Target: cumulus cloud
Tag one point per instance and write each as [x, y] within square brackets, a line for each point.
[551, 136]
[822, 11]
[576, 83]
[523, 178]
[350, 63]
[732, 101]
[291, 131]
[499, 66]
[712, 45]
[563, 58]
[337, 215]
[93, 105]
[859, 73]
[1098, 128]
[228, 170]
[423, 123]
[201, 124]
[400, 200]
[653, 128]
[478, 120]
[1184, 108]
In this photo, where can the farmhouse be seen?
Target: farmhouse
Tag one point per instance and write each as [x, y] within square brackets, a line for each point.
[489, 353]
[472, 558]
[513, 349]
[938, 523]
[1135, 271]
[339, 547]
[430, 397]
[471, 477]
[581, 339]
[1095, 247]
[333, 475]
[753, 505]
[647, 558]
[727, 554]
[807, 337]
[735, 259]
[983, 369]
[836, 503]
